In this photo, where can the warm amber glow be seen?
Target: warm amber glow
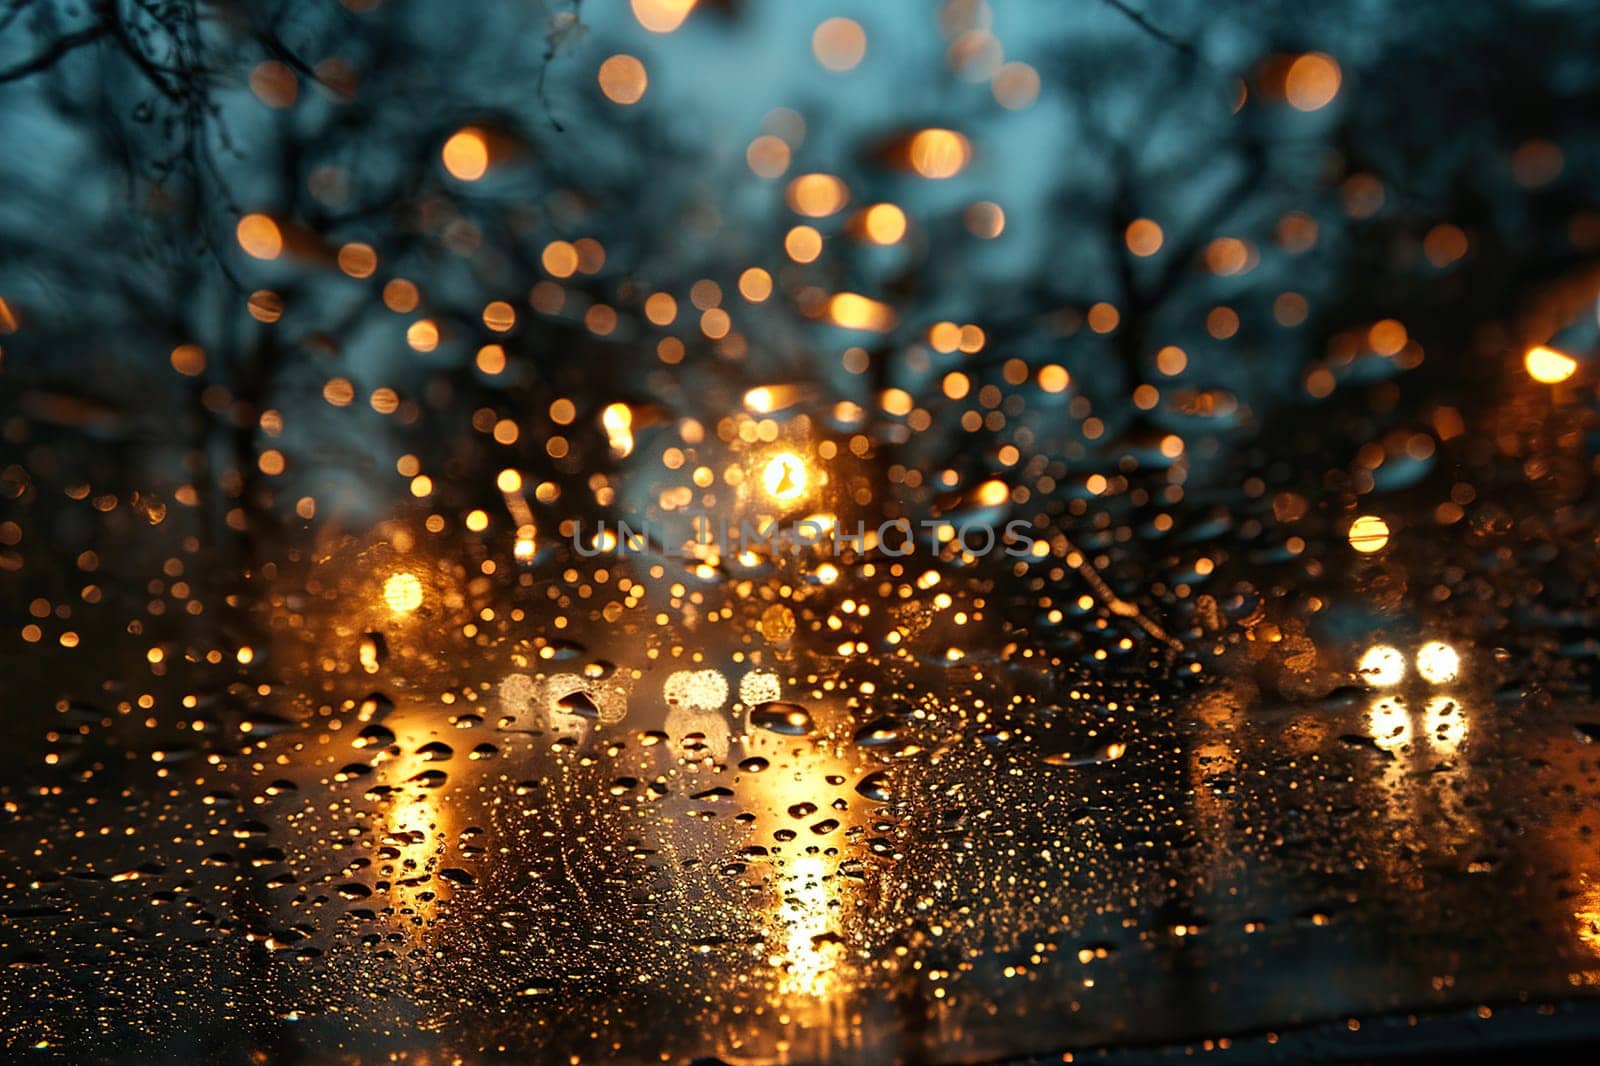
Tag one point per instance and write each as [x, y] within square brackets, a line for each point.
[623, 79]
[662, 16]
[853, 311]
[784, 477]
[416, 820]
[1387, 336]
[402, 592]
[1312, 82]
[560, 258]
[817, 195]
[993, 493]
[260, 237]
[1382, 666]
[617, 419]
[499, 315]
[1227, 255]
[1369, 533]
[810, 957]
[803, 244]
[466, 154]
[1438, 662]
[1144, 237]
[755, 285]
[1444, 724]
[1389, 722]
[339, 392]
[400, 295]
[1549, 366]
[884, 223]
[423, 335]
[937, 153]
[491, 359]
[189, 360]
[661, 309]
[358, 260]
[1103, 317]
[896, 402]
[715, 323]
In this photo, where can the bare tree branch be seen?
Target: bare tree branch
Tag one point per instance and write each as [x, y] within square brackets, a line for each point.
[61, 46]
[1153, 30]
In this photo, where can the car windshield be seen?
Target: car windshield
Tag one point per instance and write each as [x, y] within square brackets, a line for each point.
[750, 531]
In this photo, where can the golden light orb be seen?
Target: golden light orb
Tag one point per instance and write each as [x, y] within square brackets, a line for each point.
[938, 153]
[784, 477]
[617, 420]
[1382, 666]
[761, 400]
[402, 592]
[817, 195]
[1549, 366]
[1312, 81]
[623, 79]
[1368, 534]
[662, 16]
[260, 236]
[884, 223]
[850, 310]
[1144, 237]
[466, 154]
[993, 493]
[1438, 662]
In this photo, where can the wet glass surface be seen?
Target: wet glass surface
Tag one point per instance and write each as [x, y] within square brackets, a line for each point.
[341, 722]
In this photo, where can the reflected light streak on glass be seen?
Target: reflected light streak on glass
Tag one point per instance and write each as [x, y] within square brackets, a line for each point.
[1389, 722]
[1444, 723]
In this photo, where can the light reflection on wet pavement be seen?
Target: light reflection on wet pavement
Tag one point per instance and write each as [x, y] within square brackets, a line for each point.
[637, 839]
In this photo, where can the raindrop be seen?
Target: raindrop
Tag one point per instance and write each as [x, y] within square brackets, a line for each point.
[373, 736]
[786, 719]
[875, 786]
[879, 733]
[1091, 756]
[580, 703]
